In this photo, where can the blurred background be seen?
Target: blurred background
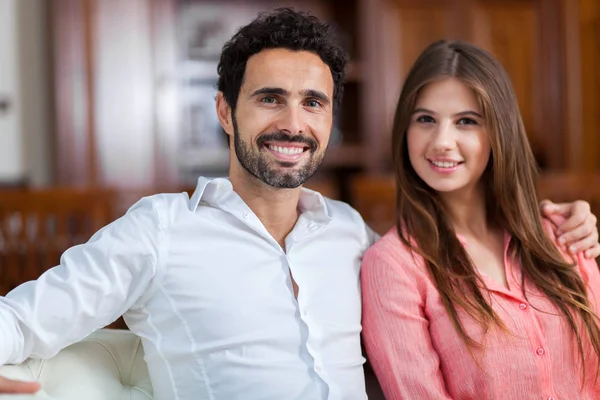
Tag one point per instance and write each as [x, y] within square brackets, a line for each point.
[105, 101]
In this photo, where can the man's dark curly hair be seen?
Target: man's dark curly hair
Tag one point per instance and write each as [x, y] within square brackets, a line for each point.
[284, 28]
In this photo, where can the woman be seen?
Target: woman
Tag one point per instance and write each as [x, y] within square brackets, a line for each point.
[470, 297]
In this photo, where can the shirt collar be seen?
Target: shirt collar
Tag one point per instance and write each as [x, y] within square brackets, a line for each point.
[311, 203]
[207, 188]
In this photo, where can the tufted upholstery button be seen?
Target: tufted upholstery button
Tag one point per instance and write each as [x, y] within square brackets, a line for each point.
[108, 364]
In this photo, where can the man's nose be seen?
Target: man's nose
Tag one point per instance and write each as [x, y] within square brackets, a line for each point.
[291, 121]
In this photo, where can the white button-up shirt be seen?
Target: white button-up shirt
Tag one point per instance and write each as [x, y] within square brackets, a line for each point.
[209, 291]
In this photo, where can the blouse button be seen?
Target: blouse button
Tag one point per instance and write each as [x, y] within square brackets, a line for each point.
[550, 398]
[522, 306]
[540, 352]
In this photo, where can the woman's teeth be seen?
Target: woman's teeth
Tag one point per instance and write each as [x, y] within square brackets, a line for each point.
[444, 164]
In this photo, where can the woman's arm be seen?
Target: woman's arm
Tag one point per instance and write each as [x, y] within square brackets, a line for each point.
[395, 329]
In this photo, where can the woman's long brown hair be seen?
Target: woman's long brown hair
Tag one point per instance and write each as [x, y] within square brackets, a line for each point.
[511, 199]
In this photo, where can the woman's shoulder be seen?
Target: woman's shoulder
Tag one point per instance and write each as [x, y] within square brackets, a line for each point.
[586, 267]
[389, 244]
[550, 230]
[392, 251]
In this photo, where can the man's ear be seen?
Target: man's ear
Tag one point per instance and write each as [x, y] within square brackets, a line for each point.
[224, 114]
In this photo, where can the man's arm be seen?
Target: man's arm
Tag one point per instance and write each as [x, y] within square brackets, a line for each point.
[575, 226]
[94, 284]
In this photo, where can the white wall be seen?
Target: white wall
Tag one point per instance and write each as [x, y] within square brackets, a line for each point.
[12, 166]
[124, 92]
[25, 142]
[35, 75]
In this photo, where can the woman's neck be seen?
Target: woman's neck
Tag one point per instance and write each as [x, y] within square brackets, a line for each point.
[468, 212]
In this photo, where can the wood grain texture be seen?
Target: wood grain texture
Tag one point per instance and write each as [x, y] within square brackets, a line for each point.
[590, 78]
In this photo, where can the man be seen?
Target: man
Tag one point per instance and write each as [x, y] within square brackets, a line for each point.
[249, 289]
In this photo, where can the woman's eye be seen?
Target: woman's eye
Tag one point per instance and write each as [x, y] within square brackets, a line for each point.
[467, 121]
[425, 119]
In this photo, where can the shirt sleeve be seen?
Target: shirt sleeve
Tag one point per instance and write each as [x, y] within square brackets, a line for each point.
[591, 278]
[587, 268]
[94, 284]
[395, 329]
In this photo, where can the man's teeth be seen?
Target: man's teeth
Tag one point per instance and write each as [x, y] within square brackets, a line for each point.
[286, 150]
[444, 164]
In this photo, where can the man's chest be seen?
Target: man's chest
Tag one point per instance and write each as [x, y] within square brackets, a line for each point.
[244, 285]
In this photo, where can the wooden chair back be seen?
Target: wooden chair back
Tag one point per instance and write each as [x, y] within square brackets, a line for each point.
[37, 226]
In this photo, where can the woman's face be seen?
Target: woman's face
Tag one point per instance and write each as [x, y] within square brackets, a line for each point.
[448, 142]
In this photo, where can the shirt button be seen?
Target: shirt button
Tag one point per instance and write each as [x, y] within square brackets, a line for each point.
[304, 312]
[540, 352]
[245, 215]
[550, 398]
[318, 369]
[522, 306]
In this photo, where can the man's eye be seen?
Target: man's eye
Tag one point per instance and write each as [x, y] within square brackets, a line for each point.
[425, 119]
[313, 103]
[467, 121]
[269, 100]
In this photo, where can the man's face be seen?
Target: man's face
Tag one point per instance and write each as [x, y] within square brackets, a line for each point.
[283, 117]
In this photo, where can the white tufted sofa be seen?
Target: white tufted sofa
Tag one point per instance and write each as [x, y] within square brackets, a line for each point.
[107, 365]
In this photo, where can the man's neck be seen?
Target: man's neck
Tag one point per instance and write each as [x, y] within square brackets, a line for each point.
[276, 208]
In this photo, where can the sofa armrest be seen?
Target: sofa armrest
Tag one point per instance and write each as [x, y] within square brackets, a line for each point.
[106, 365]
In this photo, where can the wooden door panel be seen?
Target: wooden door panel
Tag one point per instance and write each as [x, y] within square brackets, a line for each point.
[509, 30]
[419, 26]
[590, 79]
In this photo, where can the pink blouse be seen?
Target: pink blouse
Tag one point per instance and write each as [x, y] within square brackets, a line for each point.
[417, 354]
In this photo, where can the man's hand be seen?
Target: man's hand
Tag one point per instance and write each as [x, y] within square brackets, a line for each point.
[575, 226]
[8, 386]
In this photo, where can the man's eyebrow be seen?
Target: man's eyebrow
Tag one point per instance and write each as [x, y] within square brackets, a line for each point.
[269, 90]
[316, 94]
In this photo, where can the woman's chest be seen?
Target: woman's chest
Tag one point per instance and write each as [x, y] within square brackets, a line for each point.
[534, 343]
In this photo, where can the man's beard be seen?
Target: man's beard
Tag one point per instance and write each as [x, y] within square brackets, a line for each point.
[278, 174]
